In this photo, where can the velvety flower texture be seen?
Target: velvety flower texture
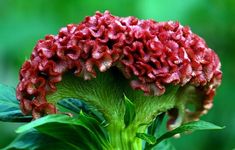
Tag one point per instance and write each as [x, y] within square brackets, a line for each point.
[150, 54]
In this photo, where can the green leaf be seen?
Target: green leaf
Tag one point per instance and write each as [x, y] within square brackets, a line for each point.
[155, 126]
[148, 138]
[191, 126]
[14, 116]
[9, 106]
[130, 113]
[75, 106]
[187, 127]
[35, 140]
[83, 131]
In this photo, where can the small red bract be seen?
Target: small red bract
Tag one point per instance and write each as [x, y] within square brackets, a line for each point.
[151, 54]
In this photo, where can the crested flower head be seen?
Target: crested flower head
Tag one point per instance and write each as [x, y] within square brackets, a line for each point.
[151, 55]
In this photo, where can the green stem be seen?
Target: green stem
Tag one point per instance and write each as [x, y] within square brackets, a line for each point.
[106, 94]
[122, 138]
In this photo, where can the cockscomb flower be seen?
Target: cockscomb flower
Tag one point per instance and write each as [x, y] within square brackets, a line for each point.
[159, 66]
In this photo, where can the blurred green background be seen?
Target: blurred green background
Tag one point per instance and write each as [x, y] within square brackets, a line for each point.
[23, 22]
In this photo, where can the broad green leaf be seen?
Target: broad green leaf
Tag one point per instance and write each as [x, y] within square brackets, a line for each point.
[14, 116]
[187, 127]
[148, 138]
[75, 106]
[35, 140]
[83, 131]
[9, 106]
[191, 126]
[130, 113]
[8, 101]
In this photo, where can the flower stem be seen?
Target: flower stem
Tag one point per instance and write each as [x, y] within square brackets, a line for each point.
[106, 94]
[122, 138]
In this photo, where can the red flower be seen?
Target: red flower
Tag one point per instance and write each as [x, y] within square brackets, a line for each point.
[151, 54]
